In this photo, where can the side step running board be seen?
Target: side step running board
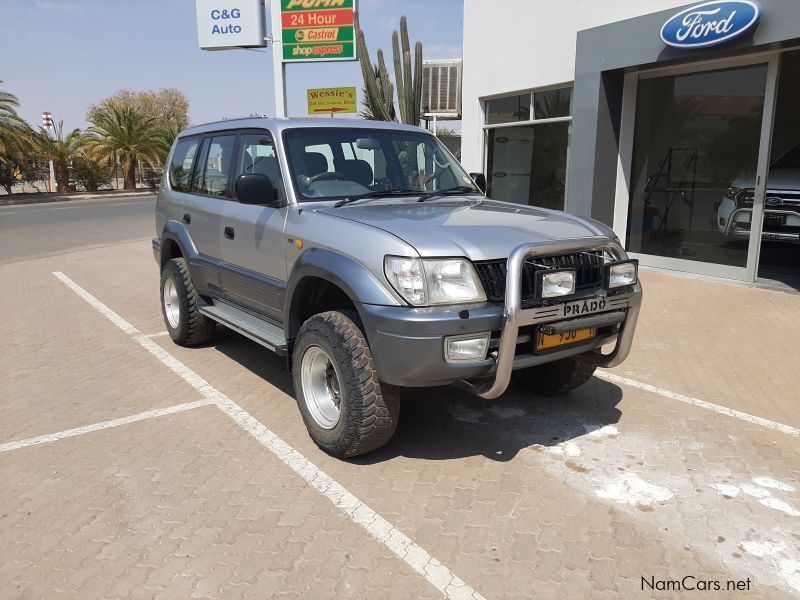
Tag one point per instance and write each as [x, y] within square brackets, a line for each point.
[258, 330]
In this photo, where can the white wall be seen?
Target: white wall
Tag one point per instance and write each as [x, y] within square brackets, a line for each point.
[513, 45]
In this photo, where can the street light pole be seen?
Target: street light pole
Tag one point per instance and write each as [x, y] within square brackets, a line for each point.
[47, 124]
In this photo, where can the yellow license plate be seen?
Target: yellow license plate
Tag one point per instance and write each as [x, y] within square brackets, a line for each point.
[546, 341]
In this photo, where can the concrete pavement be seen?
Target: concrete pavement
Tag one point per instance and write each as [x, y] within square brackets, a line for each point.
[617, 490]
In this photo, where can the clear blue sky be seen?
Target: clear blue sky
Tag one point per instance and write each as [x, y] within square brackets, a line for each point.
[62, 55]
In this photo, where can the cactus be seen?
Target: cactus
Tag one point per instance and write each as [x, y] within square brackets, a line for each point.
[379, 96]
[409, 83]
[379, 92]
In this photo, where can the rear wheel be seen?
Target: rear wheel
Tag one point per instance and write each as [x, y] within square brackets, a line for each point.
[345, 408]
[558, 377]
[185, 324]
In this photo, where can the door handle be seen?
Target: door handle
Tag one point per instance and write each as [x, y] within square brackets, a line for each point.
[187, 218]
[229, 233]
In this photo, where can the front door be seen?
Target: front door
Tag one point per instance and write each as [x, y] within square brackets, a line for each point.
[254, 257]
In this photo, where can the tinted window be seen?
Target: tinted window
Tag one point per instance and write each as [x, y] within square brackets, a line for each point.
[216, 175]
[552, 103]
[508, 109]
[257, 155]
[180, 167]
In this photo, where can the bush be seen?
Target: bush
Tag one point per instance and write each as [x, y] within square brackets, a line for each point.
[90, 175]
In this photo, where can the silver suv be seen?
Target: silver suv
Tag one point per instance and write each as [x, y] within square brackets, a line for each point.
[365, 254]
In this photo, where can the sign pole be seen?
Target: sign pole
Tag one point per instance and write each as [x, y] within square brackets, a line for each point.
[278, 67]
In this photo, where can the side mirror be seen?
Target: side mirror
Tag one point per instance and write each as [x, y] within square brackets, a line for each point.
[256, 188]
[480, 181]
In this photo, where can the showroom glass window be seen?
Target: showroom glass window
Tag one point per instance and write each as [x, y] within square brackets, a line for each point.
[695, 154]
[527, 147]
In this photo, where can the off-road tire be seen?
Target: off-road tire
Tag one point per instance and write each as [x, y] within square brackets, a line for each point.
[193, 327]
[558, 377]
[369, 410]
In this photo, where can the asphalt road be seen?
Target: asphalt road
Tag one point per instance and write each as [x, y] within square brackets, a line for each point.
[39, 230]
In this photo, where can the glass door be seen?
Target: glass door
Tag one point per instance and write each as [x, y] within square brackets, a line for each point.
[698, 157]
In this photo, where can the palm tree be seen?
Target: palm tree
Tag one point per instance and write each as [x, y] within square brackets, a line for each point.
[12, 126]
[15, 141]
[128, 135]
[61, 148]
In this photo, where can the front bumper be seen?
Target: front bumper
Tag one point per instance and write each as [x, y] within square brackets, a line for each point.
[408, 343]
[739, 223]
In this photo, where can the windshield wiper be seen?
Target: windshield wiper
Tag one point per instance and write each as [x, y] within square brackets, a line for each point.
[459, 189]
[376, 194]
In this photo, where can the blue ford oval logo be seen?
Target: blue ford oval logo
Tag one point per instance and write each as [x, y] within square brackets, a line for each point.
[710, 23]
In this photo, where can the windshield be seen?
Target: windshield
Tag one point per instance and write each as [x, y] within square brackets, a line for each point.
[329, 163]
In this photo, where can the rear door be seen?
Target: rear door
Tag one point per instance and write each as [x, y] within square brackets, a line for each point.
[201, 207]
[253, 246]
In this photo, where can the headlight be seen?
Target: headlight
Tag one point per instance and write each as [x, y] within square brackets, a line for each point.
[434, 280]
[554, 284]
[621, 274]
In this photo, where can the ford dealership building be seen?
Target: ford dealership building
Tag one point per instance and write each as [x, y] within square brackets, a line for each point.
[676, 123]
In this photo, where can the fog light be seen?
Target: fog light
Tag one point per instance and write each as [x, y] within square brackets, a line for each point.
[466, 347]
[621, 274]
[554, 284]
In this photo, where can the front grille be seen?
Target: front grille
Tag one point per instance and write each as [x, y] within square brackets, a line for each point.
[588, 270]
[775, 199]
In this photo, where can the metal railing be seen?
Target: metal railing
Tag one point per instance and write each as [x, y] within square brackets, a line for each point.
[514, 316]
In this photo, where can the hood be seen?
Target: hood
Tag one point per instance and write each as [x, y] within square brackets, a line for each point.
[478, 229]
[778, 179]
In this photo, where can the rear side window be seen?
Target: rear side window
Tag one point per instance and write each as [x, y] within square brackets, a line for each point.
[180, 167]
[217, 171]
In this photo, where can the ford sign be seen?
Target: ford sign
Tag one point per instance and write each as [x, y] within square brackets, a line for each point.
[710, 23]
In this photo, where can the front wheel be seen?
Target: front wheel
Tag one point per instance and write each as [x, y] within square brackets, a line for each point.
[558, 377]
[345, 408]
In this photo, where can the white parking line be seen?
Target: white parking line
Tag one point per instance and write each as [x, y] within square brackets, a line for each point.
[395, 540]
[723, 410]
[155, 335]
[142, 416]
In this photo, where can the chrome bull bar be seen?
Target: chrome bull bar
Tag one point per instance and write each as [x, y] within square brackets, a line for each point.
[514, 316]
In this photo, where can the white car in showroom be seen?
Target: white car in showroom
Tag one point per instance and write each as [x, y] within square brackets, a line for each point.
[781, 204]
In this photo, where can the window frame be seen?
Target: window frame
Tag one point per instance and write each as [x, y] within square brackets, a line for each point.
[532, 121]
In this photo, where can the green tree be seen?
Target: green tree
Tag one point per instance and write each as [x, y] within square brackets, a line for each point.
[168, 107]
[62, 148]
[128, 136]
[90, 174]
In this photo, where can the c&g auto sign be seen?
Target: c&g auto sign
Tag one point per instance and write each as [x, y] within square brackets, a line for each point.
[225, 24]
[710, 23]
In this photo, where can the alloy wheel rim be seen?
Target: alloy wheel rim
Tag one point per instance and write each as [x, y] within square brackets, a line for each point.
[172, 305]
[320, 380]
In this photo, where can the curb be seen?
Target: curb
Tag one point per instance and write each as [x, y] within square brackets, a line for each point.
[77, 196]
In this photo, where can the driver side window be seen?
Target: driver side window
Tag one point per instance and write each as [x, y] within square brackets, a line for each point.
[257, 155]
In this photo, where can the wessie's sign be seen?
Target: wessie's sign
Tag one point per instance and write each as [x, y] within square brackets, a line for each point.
[710, 23]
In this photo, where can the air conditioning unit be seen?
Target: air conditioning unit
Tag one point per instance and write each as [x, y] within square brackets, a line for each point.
[441, 89]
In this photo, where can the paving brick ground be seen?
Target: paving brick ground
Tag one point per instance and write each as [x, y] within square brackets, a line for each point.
[570, 497]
